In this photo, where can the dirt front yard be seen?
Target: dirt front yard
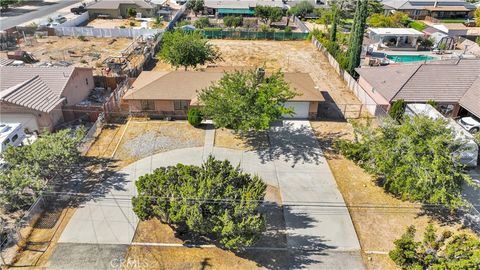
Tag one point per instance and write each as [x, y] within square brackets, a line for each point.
[378, 217]
[145, 138]
[139, 138]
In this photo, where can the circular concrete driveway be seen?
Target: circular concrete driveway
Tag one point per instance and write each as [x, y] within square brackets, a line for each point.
[293, 163]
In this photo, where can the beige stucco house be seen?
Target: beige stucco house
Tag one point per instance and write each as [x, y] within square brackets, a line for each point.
[119, 8]
[173, 93]
[35, 96]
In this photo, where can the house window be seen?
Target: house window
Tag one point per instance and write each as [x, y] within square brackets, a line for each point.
[180, 105]
[86, 81]
[14, 138]
[147, 105]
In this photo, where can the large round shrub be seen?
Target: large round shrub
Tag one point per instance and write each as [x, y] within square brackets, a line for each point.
[194, 117]
[215, 200]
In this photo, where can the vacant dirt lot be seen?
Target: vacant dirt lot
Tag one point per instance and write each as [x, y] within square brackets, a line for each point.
[88, 53]
[113, 23]
[289, 56]
[378, 217]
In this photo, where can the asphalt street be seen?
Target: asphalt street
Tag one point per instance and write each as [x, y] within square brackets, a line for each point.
[8, 22]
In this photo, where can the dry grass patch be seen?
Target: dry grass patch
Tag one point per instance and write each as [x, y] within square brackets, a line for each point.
[227, 138]
[172, 258]
[378, 217]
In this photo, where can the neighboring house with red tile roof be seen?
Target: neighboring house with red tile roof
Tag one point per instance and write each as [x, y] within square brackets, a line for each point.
[453, 84]
[173, 93]
[35, 96]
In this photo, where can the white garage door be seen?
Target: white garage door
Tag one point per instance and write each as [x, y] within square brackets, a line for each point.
[27, 120]
[300, 108]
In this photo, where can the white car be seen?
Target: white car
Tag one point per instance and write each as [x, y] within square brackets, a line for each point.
[471, 124]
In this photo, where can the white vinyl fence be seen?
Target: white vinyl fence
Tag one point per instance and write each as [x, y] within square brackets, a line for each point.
[104, 32]
[76, 21]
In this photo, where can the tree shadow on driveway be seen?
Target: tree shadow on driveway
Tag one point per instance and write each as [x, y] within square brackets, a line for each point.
[294, 144]
[279, 248]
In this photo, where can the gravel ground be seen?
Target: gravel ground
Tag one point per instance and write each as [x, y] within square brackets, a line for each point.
[149, 143]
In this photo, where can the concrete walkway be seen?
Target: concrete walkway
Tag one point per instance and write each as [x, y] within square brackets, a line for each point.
[319, 228]
[209, 140]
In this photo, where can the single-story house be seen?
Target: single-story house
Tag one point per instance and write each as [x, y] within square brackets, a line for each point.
[395, 37]
[119, 8]
[238, 8]
[35, 96]
[453, 84]
[419, 9]
[173, 93]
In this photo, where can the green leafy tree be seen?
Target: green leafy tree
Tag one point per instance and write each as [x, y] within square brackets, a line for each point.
[275, 14]
[335, 19]
[131, 12]
[6, 3]
[397, 19]
[28, 168]
[232, 21]
[262, 12]
[461, 251]
[215, 200]
[247, 100]
[197, 6]
[415, 160]
[302, 9]
[356, 37]
[187, 49]
[194, 117]
[477, 17]
[397, 110]
[202, 23]
[375, 6]
[405, 252]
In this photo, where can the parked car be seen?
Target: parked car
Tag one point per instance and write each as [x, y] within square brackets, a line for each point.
[471, 124]
[78, 10]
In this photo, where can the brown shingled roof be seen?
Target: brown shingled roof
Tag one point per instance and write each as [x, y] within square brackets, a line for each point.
[442, 81]
[446, 82]
[471, 99]
[183, 85]
[388, 80]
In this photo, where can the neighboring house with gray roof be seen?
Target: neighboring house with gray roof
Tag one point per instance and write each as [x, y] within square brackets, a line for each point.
[119, 8]
[419, 9]
[35, 96]
[453, 84]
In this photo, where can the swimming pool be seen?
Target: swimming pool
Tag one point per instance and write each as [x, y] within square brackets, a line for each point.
[410, 58]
